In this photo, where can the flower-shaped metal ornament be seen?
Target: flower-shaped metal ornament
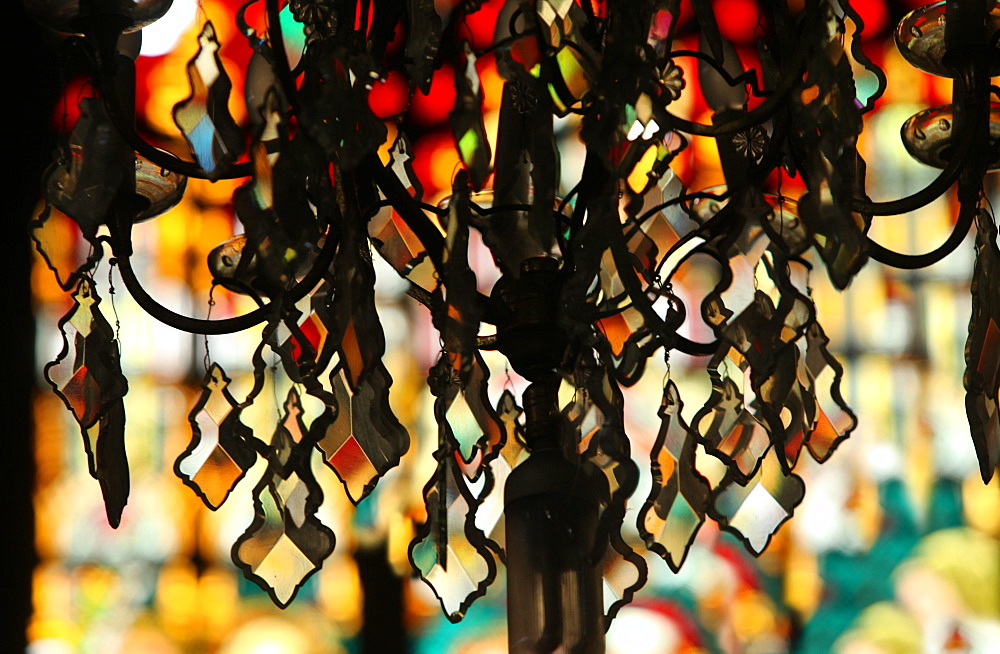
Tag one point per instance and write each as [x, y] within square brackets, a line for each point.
[672, 78]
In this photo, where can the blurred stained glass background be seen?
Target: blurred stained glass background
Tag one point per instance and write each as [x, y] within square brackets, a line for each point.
[896, 547]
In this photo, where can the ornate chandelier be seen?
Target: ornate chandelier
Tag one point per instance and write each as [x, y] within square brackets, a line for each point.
[586, 296]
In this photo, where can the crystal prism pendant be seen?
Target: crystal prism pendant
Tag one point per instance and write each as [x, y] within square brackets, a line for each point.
[680, 495]
[87, 376]
[286, 542]
[219, 453]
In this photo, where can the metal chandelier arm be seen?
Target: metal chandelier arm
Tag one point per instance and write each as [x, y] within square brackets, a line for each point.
[121, 250]
[924, 196]
[403, 203]
[671, 339]
[970, 91]
[969, 195]
[633, 288]
[756, 116]
[879, 253]
[947, 177]
[185, 323]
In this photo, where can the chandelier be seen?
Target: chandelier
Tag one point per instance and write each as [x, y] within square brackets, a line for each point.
[585, 295]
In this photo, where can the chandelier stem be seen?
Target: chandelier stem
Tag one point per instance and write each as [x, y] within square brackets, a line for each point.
[552, 507]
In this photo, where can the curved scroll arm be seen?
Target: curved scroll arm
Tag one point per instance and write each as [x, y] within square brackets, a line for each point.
[924, 196]
[756, 116]
[945, 179]
[747, 77]
[684, 249]
[966, 216]
[120, 240]
[671, 338]
[640, 301]
[694, 348]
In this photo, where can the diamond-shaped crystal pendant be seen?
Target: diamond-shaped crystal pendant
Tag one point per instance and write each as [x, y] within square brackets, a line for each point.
[219, 453]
